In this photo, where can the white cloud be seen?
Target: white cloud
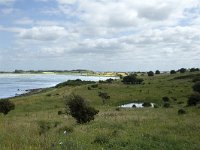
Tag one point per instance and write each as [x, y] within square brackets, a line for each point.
[44, 33]
[6, 2]
[24, 21]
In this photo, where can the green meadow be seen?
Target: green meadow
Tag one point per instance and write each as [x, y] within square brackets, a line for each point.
[34, 124]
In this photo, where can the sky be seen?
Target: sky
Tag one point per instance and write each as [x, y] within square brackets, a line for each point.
[99, 35]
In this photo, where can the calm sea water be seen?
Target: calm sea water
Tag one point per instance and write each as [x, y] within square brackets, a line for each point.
[14, 84]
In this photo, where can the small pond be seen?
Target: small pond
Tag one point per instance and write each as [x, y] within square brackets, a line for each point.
[135, 105]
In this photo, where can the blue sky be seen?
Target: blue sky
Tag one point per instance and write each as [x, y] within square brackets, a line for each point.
[101, 35]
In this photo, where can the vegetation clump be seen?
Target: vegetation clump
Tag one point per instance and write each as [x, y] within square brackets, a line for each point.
[150, 73]
[172, 72]
[194, 99]
[101, 139]
[79, 109]
[181, 111]
[182, 70]
[132, 79]
[157, 72]
[165, 99]
[76, 82]
[166, 105]
[104, 96]
[196, 87]
[6, 106]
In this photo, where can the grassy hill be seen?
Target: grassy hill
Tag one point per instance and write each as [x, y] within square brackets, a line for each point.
[36, 125]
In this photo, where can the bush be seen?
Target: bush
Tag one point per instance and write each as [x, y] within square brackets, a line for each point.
[94, 85]
[104, 96]
[165, 99]
[166, 105]
[6, 106]
[194, 69]
[79, 109]
[146, 104]
[194, 99]
[132, 79]
[150, 73]
[60, 112]
[89, 88]
[181, 111]
[76, 82]
[172, 72]
[182, 70]
[157, 72]
[196, 87]
[196, 79]
[101, 139]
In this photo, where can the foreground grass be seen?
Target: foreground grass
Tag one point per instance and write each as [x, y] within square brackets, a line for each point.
[35, 123]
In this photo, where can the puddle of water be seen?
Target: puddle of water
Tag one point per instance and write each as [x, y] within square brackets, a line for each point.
[134, 105]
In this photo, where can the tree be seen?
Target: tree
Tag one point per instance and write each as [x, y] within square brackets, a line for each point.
[104, 96]
[150, 73]
[6, 106]
[182, 70]
[132, 79]
[157, 72]
[196, 87]
[194, 69]
[172, 72]
[79, 109]
[194, 99]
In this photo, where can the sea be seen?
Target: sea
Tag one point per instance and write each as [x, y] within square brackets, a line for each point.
[15, 84]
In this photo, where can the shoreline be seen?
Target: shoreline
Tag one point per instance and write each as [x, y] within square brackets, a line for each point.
[27, 92]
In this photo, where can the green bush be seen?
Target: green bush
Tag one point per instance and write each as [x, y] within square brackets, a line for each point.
[194, 99]
[76, 82]
[165, 99]
[166, 105]
[196, 79]
[132, 79]
[6, 106]
[101, 139]
[104, 96]
[79, 109]
[94, 85]
[172, 72]
[157, 72]
[150, 73]
[181, 111]
[196, 87]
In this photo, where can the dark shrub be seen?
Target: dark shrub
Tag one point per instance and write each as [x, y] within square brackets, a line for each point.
[6, 106]
[194, 69]
[132, 79]
[156, 106]
[182, 70]
[117, 109]
[104, 96]
[101, 139]
[94, 85]
[150, 73]
[146, 104]
[196, 79]
[196, 87]
[181, 111]
[157, 72]
[44, 126]
[109, 80]
[166, 105]
[165, 99]
[79, 109]
[76, 82]
[60, 112]
[89, 88]
[172, 72]
[194, 99]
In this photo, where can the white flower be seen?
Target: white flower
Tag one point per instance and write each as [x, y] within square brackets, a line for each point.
[65, 132]
[61, 143]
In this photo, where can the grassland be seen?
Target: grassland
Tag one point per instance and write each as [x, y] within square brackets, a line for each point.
[36, 125]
